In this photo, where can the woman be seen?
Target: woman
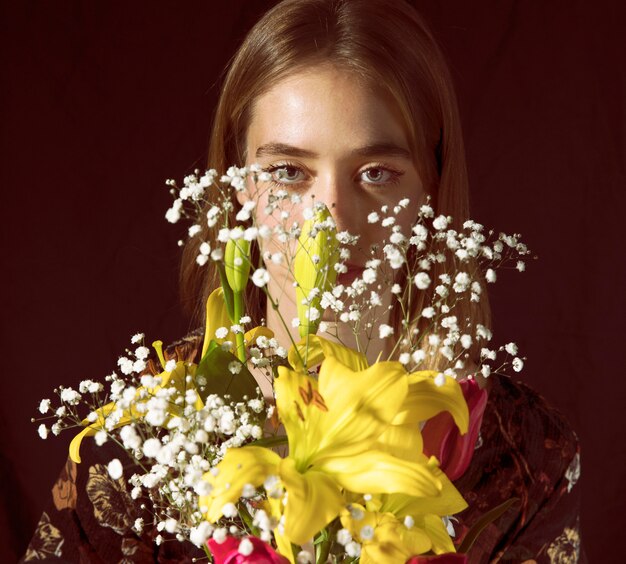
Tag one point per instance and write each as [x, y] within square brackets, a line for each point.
[351, 101]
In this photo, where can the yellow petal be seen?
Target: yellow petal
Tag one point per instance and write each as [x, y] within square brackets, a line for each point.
[387, 545]
[447, 502]
[425, 399]
[378, 472]
[77, 440]
[315, 349]
[434, 527]
[252, 335]
[341, 415]
[362, 404]
[240, 466]
[216, 317]
[416, 540]
[402, 438]
[313, 501]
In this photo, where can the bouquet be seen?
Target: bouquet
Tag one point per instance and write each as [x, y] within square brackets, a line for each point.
[344, 457]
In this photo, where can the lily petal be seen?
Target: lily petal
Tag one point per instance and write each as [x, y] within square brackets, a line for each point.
[240, 466]
[426, 399]
[447, 502]
[316, 349]
[341, 414]
[314, 500]
[378, 472]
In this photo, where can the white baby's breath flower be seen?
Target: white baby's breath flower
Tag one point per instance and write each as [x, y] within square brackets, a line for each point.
[70, 396]
[490, 275]
[343, 537]
[171, 525]
[142, 352]
[428, 312]
[260, 277]
[219, 535]
[422, 280]
[440, 222]
[245, 547]
[511, 348]
[466, 341]
[137, 338]
[367, 533]
[199, 534]
[101, 437]
[221, 332]
[170, 365]
[230, 510]
[115, 469]
[418, 356]
[173, 214]
[353, 549]
[518, 364]
[385, 331]
[43, 431]
[194, 230]
[373, 217]
[44, 406]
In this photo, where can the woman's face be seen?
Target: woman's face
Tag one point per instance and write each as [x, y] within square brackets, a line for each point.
[324, 132]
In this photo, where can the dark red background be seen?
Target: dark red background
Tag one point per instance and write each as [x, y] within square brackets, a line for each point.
[101, 102]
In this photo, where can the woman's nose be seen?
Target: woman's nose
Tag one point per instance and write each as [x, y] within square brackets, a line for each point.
[338, 195]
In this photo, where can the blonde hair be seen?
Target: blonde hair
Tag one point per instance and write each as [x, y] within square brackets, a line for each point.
[383, 41]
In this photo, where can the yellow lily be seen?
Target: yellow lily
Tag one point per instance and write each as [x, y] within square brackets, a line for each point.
[385, 539]
[332, 425]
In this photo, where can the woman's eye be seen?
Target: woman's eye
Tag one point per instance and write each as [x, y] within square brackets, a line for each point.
[377, 175]
[286, 174]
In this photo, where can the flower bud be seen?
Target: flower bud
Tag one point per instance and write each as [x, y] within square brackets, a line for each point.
[237, 263]
[314, 267]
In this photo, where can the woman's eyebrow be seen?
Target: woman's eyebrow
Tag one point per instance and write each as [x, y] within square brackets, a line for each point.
[383, 150]
[372, 150]
[283, 149]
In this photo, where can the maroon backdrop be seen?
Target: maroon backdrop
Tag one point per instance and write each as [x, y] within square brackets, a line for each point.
[101, 102]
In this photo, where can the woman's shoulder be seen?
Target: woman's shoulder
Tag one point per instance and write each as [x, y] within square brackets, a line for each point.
[519, 420]
[528, 451]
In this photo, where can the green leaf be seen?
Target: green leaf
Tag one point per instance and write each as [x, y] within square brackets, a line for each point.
[270, 442]
[219, 380]
[486, 519]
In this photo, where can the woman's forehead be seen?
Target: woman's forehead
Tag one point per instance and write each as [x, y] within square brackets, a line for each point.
[325, 108]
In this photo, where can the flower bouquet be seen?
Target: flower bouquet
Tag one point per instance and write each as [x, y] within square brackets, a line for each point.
[373, 392]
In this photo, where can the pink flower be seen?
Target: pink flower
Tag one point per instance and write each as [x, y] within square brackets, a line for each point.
[228, 552]
[443, 440]
[449, 558]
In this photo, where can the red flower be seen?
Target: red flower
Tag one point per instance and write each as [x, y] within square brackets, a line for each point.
[449, 558]
[228, 552]
[443, 440]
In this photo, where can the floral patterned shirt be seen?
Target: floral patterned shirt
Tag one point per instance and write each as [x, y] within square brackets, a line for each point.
[526, 450]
